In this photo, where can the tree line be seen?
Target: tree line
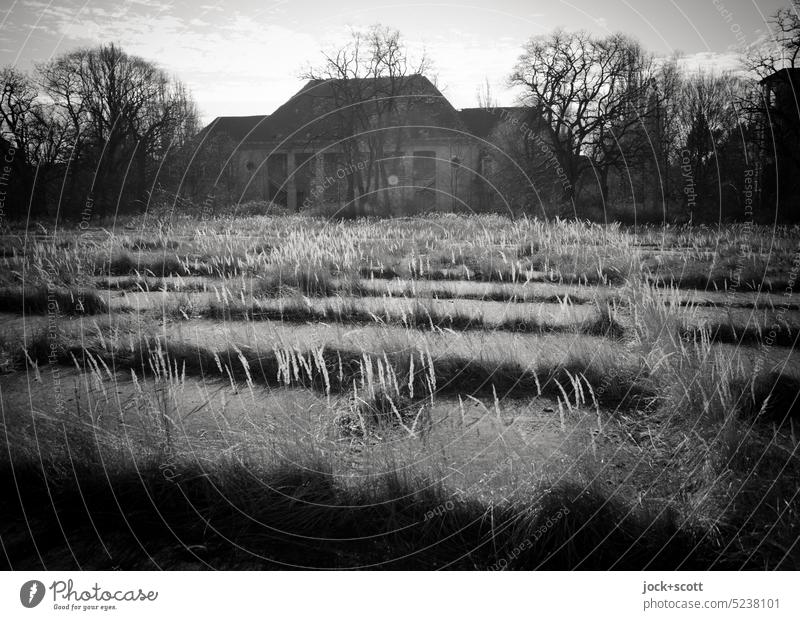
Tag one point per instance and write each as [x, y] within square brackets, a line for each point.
[88, 133]
[605, 129]
[629, 132]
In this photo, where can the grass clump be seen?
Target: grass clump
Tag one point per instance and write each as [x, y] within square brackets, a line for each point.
[42, 299]
[160, 264]
[384, 412]
[151, 244]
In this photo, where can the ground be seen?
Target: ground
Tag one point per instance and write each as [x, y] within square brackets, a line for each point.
[449, 391]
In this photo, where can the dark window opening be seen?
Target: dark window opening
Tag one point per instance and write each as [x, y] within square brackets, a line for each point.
[424, 179]
[304, 172]
[334, 182]
[276, 172]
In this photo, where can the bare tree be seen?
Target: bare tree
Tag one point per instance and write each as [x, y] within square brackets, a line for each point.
[124, 113]
[37, 133]
[590, 92]
[781, 49]
[484, 96]
[18, 115]
[372, 82]
[711, 141]
[203, 169]
[667, 84]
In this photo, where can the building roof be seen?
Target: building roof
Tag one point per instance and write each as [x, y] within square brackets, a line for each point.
[787, 74]
[322, 109]
[480, 122]
[238, 128]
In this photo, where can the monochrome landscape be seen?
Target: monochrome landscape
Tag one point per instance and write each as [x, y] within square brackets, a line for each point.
[375, 326]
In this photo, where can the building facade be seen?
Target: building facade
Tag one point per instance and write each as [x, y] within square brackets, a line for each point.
[385, 146]
[779, 155]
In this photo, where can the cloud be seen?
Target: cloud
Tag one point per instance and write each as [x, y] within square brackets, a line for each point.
[717, 62]
[240, 59]
[245, 64]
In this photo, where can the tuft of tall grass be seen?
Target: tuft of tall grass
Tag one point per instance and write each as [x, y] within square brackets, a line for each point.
[41, 299]
[123, 263]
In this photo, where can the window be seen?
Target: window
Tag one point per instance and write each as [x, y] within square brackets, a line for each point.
[487, 166]
[394, 165]
[304, 173]
[424, 179]
[334, 188]
[276, 172]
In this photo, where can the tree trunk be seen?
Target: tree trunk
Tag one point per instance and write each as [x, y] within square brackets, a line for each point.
[603, 181]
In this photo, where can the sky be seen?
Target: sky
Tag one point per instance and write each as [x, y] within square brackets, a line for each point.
[246, 57]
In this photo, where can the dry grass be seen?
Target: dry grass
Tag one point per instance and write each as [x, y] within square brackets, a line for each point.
[39, 299]
[706, 439]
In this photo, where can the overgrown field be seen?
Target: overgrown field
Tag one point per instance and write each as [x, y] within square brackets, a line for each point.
[441, 392]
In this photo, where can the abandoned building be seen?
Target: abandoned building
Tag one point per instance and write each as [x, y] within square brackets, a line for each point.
[386, 146]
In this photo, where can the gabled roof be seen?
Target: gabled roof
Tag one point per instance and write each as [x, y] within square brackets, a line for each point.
[238, 128]
[320, 109]
[481, 122]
